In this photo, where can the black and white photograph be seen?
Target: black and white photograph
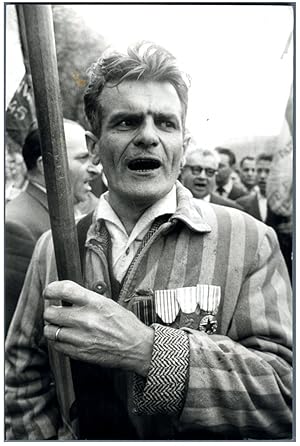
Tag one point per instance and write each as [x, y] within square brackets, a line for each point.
[149, 222]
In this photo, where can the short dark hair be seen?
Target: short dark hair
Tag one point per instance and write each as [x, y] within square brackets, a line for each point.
[143, 62]
[250, 158]
[31, 150]
[228, 152]
[264, 157]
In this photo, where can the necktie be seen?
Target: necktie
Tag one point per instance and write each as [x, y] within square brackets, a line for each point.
[220, 190]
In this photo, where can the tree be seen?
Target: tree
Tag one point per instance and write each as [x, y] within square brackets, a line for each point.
[77, 47]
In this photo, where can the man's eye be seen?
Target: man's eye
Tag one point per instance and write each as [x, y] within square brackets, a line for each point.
[127, 123]
[167, 124]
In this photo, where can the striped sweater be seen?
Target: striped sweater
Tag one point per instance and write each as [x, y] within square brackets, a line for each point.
[235, 382]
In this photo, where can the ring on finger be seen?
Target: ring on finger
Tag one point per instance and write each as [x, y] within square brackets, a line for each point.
[57, 333]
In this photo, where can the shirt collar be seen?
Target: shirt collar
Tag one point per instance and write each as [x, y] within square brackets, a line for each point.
[188, 211]
[39, 186]
[166, 205]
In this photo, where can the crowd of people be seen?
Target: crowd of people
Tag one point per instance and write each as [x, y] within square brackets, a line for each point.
[182, 329]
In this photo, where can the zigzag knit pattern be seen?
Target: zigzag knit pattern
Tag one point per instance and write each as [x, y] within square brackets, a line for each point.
[163, 391]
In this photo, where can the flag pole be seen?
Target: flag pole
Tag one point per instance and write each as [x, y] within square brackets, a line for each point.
[22, 35]
[43, 67]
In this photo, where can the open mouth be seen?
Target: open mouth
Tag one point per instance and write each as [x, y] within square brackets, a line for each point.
[143, 164]
[198, 184]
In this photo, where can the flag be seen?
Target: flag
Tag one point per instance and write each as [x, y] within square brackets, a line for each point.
[20, 112]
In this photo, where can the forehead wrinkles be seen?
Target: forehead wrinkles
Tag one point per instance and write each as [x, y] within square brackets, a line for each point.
[140, 97]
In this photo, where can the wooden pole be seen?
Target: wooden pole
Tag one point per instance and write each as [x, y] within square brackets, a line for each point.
[22, 35]
[43, 67]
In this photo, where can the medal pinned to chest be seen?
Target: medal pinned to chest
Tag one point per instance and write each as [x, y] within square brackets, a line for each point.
[193, 307]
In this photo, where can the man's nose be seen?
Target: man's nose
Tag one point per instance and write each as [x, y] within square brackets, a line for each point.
[202, 174]
[147, 135]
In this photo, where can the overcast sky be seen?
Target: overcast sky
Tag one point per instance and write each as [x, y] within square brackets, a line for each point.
[240, 82]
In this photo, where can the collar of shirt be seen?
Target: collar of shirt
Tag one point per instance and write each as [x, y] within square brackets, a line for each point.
[39, 186]
[124, 246]
[262, 204]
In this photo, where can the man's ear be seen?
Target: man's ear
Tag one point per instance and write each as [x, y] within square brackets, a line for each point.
[92, 146]
[186, 142]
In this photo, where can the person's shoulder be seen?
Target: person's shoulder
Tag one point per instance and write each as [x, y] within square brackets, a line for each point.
[217, 199]
[227, 215]
[246, 199]
[240, 188]
[16, 205]
[212, 212]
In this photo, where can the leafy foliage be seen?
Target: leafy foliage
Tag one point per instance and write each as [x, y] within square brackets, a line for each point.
[77, 47]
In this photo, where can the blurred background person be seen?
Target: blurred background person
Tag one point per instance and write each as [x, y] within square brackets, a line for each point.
[226, 188]
[256, 204]
[15, 175]
[280, 186]
[235, 177]
[27, 216]
[248, 173]
[199, 176]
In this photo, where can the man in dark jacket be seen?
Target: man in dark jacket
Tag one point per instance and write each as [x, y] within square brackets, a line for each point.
[257, 205]
[27, 216]
[225, 186]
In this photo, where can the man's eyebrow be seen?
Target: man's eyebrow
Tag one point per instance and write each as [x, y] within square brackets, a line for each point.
[167, 115]
[124, 114]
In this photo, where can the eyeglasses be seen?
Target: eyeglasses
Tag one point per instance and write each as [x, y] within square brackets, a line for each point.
[196, 170]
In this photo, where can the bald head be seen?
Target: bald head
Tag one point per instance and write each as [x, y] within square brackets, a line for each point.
[80, 168]
[199, 172]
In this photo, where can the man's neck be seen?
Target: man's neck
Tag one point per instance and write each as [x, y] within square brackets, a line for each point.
[37, 179]
[128, 215]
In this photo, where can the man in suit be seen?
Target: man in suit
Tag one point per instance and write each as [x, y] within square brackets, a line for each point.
[27, 216]
[248, 174]
[225, 186]
[256, 204]
[199, 176]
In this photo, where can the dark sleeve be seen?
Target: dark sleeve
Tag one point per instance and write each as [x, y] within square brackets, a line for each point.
[19, 245]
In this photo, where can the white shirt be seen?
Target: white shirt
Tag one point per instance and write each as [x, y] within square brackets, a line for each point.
[124, 246]
[262, 204]
[39, 186]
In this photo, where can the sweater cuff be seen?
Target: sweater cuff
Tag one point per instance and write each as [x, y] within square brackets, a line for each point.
[164, 389]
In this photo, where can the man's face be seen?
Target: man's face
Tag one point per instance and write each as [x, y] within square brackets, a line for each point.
[198, 174]
[248, 173]
[224, 170]
[141, 141]
[80, 167]
[262, 172]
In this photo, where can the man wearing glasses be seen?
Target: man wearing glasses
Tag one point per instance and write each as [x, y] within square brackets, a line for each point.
[199, 176]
